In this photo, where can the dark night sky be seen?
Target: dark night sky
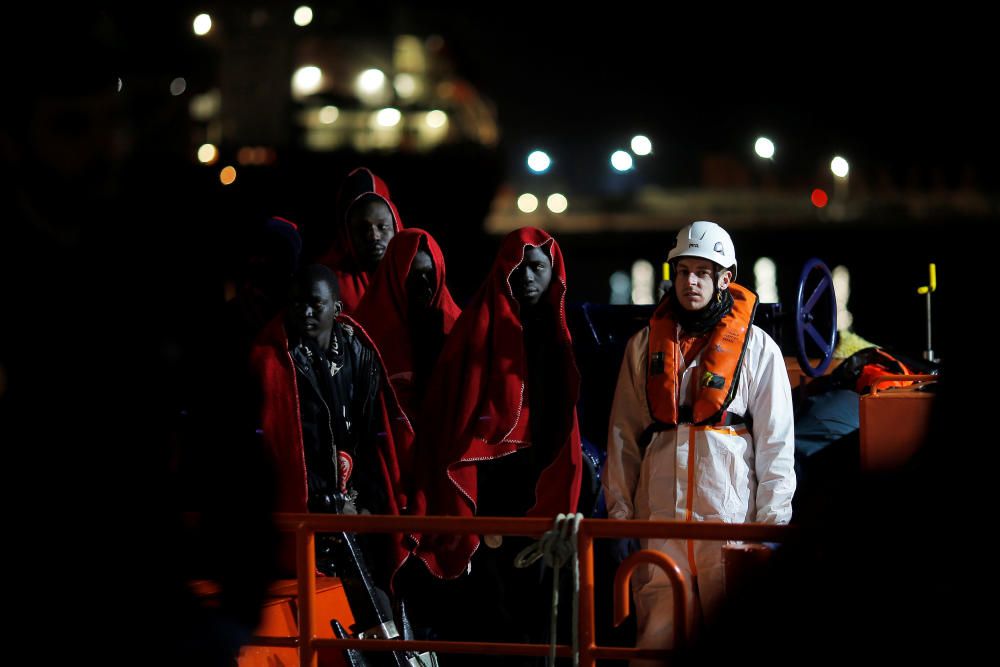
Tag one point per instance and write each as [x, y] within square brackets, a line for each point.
[894, 89]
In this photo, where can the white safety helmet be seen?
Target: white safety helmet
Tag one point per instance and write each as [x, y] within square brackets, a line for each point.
[706, 240]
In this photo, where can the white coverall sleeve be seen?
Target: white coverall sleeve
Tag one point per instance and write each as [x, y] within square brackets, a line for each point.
[770, 404]
[629, 418]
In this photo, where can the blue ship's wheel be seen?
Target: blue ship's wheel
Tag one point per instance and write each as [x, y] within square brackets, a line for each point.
[816, 306]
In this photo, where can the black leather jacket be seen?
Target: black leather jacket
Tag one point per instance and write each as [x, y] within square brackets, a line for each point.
[338, 401]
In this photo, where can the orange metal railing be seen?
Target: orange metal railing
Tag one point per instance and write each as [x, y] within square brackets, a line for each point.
[306, 525]
[679, 587]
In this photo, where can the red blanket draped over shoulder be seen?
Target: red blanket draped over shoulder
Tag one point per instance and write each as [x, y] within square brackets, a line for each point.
[282, 430]
[384, 310]
[475, 408]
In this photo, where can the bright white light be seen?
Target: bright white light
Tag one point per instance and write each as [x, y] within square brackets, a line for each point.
[557, 203]
[765, 276]
[764, 147]
[388, 117]
[839, 167]
[307, 80]
[538, 161]
[119, 84]
[642, 283]
[527, 203]
[436, 118]
[328, 115]
[371, 80]
[842, 291]
[406, 84]
[303, 16]
[621, 160]
[641, 145]
[178, 86]
[202, 24]
[207, 154]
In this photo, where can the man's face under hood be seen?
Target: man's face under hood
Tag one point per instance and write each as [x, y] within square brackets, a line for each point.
[421, 281]
[371, 226]
[532, 277]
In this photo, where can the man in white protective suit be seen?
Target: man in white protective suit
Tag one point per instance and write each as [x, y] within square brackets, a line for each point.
[701, 426]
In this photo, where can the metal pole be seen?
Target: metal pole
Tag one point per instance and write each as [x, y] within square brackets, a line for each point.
[306, 555]
[929, 354]
[586, 624]
[929, 289]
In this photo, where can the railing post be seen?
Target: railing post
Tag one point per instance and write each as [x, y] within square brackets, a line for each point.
[305, 551]
[586, 628]
[678, 588]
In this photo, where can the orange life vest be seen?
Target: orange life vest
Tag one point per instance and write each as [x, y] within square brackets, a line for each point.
[718, 370]
[874, 369]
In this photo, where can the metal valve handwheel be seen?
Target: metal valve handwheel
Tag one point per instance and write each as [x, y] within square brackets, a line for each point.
[821, 299]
